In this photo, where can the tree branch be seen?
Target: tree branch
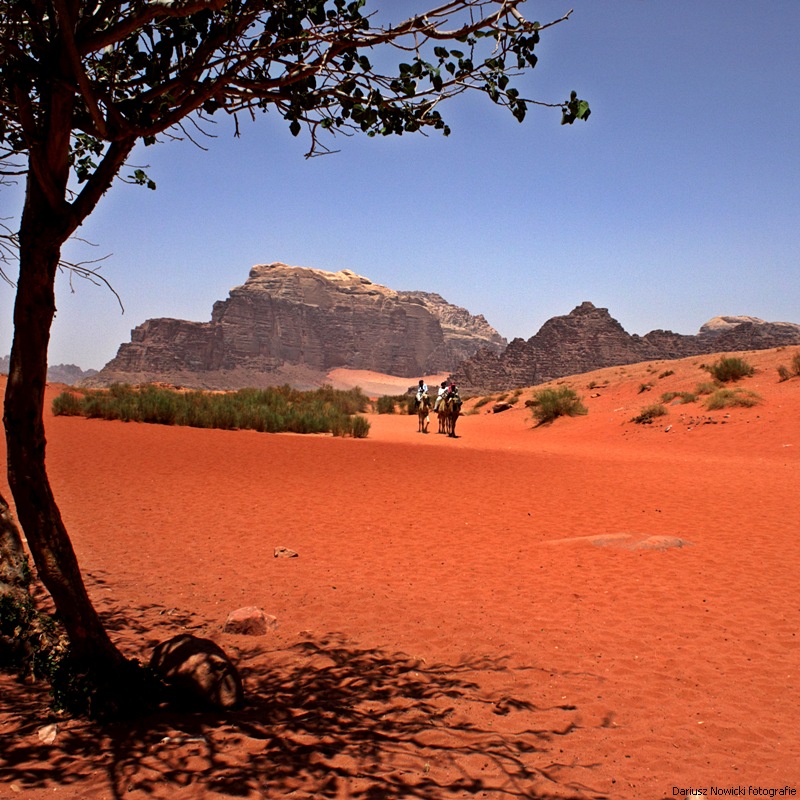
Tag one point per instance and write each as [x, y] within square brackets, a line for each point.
[99, 182]
[81, 78]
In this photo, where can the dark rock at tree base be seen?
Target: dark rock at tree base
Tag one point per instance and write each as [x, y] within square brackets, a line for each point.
[293, 325]
[589, 338]
[198, 671]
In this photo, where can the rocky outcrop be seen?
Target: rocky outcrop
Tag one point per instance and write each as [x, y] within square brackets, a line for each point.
[589, 338]
[56, 373]
[302, 322]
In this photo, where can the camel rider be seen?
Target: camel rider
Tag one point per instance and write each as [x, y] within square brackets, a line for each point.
[422, 390]
[452, 393]
[439, 395]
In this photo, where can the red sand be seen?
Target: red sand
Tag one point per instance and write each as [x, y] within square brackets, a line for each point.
[465, 617]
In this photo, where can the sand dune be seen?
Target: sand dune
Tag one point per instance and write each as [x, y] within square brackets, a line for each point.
[589, 609]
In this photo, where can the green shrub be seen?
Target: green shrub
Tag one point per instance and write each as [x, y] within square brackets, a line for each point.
[68, 404]
[667, 373]
[707, 387]
[731, 398]
[729, 368]
[649, 413]
[386, 405]
[793, 371]
[483, 401]
[683, 397]
[551, 403]
[359, 427]
[267, 410]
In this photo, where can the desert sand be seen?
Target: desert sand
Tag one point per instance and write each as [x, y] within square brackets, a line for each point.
[587, 609]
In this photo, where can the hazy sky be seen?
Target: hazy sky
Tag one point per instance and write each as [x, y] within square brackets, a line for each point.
[679, 199]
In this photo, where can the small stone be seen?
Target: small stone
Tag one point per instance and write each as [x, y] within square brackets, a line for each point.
[48, 733]
[285, 552]
[249, 621]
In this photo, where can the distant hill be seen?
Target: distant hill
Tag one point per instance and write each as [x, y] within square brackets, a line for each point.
[57, 373]
[589, 338]
[295, 324]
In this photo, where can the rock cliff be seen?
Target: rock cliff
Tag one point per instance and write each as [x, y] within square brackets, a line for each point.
[69, 374]
[589, 338]
[294, 324]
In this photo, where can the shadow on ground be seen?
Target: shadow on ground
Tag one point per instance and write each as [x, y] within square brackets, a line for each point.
[324, 718]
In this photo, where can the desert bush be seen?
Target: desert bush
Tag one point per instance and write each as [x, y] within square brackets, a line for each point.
[793, 371]
[729, 368]
[483, 401]
[707, 387]
[684, 397]
[645, 387]
[731, 398]
[667, 373]
[649, 413]
[267, 410]
[386, 405]
[68, 404]
[359, 427]
[551, 403]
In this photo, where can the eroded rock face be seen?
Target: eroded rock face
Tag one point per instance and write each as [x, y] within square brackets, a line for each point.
[589, 338]
[284, 316]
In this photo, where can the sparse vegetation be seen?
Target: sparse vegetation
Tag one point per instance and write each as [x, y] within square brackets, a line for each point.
[548, 404]
[732, 398]
[707, 387]
[682, 397]
[729, 369]
[667, 373]
[649, 413]
[387, 404]
[645, 387]
[793, 371]
[272, 410]
[482, 402]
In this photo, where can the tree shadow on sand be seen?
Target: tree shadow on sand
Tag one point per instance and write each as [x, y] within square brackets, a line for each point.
[325, 718]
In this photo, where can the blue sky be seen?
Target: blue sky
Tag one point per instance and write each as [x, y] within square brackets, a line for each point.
[677, 201]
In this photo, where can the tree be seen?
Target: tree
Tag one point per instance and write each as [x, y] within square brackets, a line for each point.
[81, 83]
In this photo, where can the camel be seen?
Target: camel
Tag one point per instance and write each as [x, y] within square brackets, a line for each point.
[449, 410]
[423, 413]
[453, 412]
[442, 411]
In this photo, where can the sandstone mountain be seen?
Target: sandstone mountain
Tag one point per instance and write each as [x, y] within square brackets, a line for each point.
[294, 324]
[589, 338]
[70, 374]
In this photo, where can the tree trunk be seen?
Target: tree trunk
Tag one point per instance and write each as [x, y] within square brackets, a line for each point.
[14, 569]
[36, 507]
[92, 652]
